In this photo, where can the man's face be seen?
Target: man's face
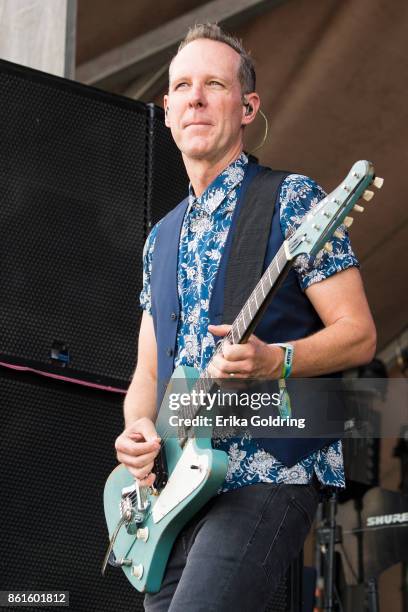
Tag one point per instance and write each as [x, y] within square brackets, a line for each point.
[205, 100]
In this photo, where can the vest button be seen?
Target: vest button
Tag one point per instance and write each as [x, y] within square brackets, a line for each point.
[173, 316]
[169, 352]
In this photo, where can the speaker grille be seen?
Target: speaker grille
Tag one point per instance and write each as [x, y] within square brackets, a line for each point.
[77, 176]
[170, 187]
[57, 449]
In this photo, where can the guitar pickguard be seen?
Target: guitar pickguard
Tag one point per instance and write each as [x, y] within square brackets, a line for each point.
[190, 471]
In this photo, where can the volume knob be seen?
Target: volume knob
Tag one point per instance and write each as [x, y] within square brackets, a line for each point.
[137, 571]
[142, 534]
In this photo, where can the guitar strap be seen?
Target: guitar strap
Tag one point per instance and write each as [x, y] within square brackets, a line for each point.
[249, 245]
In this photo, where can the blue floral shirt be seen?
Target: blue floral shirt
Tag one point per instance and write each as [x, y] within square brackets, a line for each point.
[204, 232]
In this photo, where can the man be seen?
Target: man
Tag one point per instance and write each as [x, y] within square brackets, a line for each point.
[234, 552]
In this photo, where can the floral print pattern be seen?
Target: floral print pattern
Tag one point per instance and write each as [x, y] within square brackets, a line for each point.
[204, 232]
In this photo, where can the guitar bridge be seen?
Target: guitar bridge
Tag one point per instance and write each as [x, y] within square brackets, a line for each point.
[133, 506]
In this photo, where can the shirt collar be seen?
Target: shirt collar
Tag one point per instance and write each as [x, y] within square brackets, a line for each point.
[221, 186]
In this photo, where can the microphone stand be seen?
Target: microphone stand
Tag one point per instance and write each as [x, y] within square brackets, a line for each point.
[328, 534]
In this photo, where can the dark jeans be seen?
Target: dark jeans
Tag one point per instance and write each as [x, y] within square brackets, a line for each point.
[234, 552]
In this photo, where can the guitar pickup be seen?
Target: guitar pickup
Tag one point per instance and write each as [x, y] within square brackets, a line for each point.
[161, 470]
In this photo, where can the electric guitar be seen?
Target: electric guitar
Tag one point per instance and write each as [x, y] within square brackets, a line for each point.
[143, 522]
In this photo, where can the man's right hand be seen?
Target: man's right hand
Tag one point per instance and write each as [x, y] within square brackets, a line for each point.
[137, 448]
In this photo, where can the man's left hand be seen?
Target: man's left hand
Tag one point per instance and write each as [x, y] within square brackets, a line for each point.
[255, 359]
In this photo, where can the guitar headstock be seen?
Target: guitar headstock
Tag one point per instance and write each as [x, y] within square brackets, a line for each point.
[321, 223]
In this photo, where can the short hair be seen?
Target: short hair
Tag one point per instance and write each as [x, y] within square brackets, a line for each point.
[212, 31]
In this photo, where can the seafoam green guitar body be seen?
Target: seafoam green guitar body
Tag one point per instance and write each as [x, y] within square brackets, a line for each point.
[146, 551]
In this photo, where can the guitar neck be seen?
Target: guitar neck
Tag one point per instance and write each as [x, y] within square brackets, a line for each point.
[260, 298]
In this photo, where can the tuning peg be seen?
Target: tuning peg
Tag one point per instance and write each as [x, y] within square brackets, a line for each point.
[348, 221]
[378, 182]
[338, 234]
[368, 195]
[328, 247]
[358, 208]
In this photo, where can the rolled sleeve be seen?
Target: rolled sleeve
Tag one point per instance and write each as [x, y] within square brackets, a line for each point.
[300, 194]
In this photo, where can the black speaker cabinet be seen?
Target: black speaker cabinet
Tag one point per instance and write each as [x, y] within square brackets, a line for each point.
[56, 451]
[83, 175]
